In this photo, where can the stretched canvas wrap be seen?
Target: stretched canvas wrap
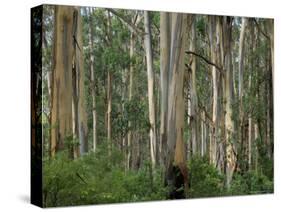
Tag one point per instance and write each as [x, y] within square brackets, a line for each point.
[131, 105]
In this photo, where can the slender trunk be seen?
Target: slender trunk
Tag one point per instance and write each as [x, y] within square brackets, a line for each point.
[213, 48]
[109, 87]
[269, 110]
[164, 76]
[250, 132]
[80, 123]
[123, 133]
[193, 92]
[250, 121]
[109, 104]
[131, 81]
[150, 82]
[241, 81]
[271, 88]
[272, 49]
[75, 118]
[93, 90]
[203, 134]
[75, 88]
[221, 94]
[250, 144]
[229, 125]
[241, 57]
[256, 132]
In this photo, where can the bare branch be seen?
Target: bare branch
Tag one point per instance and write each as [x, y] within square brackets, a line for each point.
[206, 60]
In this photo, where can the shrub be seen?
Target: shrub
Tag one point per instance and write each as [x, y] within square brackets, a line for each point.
[205, 180]
[251, 182]
[98, 178]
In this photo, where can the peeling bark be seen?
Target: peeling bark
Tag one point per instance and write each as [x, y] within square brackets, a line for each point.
[176, 156]
[61, 111]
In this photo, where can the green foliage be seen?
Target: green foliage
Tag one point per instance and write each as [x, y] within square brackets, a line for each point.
[200, 26]
[98, 178]
[205, 181]
[250, 183]
[265, 162]
[71, 142]
[101, 177]
[113, 59]
[60, 182]
[134, 111]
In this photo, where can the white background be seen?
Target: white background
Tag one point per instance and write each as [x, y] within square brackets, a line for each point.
[15, 107]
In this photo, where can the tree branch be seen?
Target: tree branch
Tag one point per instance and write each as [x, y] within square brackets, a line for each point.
[130, 25]
[206, 60]
[76, 42]
[79, 176]
[262, 32]
[202, 108]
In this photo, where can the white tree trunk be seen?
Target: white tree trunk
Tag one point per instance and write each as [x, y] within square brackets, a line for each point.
[240, 80]
[79, 65]
[150, 82]
[175, 144]
[164, 76]
[229, 125]
[213, 46]
[194, 105]
[94, 112]
[241, 57]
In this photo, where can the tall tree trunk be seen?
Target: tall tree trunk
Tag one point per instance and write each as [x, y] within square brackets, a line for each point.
[75, 97]
[61, 111]
[109, 87]
[213, 48]
[229, 125]
[256, 132]
[175, 144]
[250, 120]
[75, 87]
[93, 80]
[135, 21]
[193, 92]
[150, 82]
[271, 88]
[131, 84]
[80, 123]
[109, 104]
[241, 59]
[203, 133]
[221, 165]
[269, 108]
[124, 133]
[250, 142]
[164, 78]
[271, 23]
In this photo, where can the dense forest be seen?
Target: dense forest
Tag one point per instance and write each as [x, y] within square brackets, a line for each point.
[142, 105]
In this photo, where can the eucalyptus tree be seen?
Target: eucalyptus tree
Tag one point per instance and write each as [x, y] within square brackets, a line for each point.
[150, 83]
[176, 156]
[68, 116]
